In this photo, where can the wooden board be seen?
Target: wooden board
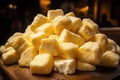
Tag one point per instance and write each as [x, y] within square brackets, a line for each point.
[102, 73]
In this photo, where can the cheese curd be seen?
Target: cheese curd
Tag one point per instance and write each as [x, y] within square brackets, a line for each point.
[60, 42]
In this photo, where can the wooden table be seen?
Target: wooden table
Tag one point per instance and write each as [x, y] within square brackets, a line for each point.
[102, 73]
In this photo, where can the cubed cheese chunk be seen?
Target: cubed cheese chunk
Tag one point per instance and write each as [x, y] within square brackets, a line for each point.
[28, 34]
[102, 40]
[2, 49]
[112, 45]
[88, 29]
[110, 59]
[37, 37]
[10, 56]
[27, 56]
[29, 31]
[18, 43]
[50, 46]
[76, 24]
[42, 64]
[86, 32]
[68, 36]
[22, 48]
[91, 24]
[28, 38]
[38, 21]
[69, 50]
[82, 66]
[47, 28]
[118, 50]
[70, 14]
[65, 66]
[14, 38]
[6, 45]
[90, 53]
[54, 13]
[60, 23]
[5, 49]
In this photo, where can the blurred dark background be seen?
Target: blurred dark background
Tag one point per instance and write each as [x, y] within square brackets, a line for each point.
[15, 15]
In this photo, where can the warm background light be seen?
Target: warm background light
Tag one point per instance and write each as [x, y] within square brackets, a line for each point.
[44, 5]
[12, 6]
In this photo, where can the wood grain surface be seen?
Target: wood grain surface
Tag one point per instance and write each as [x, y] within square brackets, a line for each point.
[102, 73]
